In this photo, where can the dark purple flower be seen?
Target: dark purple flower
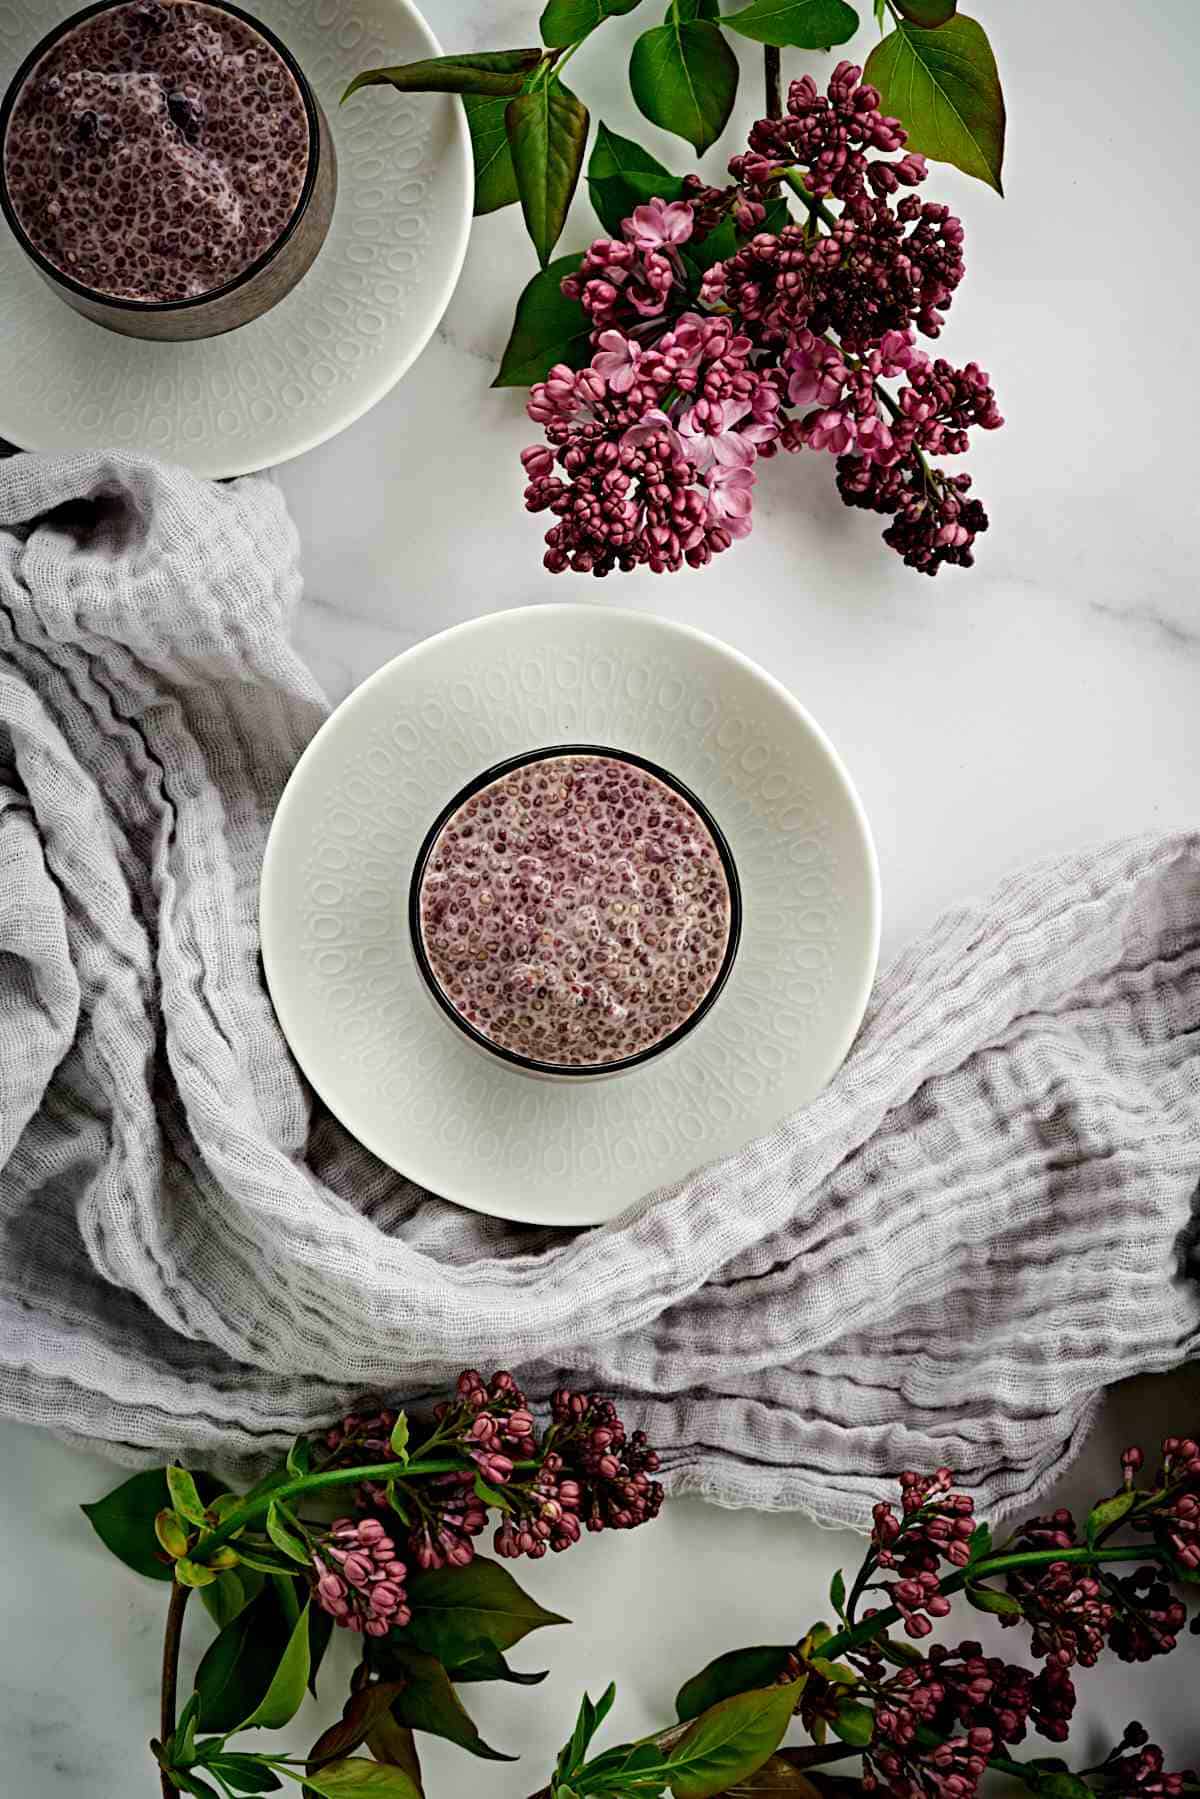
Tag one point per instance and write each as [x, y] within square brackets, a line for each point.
[1142, 1776]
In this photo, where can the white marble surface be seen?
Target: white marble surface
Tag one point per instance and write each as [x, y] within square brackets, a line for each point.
[1047, 699]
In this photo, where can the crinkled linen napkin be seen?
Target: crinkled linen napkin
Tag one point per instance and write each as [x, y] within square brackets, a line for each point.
[989, 1215]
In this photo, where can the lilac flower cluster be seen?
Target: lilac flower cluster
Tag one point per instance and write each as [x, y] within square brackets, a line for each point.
[935, 1525]
[593, 1477]
[1075, 1617]
[357, 1578]
[940, 1716]
[1136, 1769]
[656, 443]
[1177, 1519]
[972, 1703]
[784, 345]
[585, 1472]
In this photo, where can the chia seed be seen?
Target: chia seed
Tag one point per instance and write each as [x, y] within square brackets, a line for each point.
[576, 911]
[157, 150]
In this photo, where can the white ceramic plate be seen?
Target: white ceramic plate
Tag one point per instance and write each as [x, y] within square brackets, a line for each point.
[340, 339]
[340, 857]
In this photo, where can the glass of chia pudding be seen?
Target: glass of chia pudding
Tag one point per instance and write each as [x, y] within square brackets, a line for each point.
[165, 166]
[575, 911]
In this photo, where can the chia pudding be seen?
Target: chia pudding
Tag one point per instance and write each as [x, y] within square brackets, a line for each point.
[157, 150]
[577, 910]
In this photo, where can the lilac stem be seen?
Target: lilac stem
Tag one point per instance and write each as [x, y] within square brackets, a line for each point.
[312, 1483]
[170, 1673]
[773, 71]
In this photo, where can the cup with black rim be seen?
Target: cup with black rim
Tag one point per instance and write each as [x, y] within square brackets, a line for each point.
[529, 1064]
[256, 288]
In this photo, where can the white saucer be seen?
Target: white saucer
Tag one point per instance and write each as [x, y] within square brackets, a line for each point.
[340, 856]
[341, 338]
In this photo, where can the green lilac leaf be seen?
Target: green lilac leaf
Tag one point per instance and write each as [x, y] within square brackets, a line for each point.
[643, 1760]
[454, 1610]
[588, 1721]
[426, 1700]
[548, 328]
[192, 1783]
[989, 1599]
[210, 1749]
[487, 1663]
[614, 197]
[835, 1671]
[193, 1574]
[398, 1443]
[980, 1542]
[480, 72]
[565, 22]
[237, 1666]
[1063, 1786]
[495, 177]
[285, 1695]
[490, 1495]
[395, 1745]
[181, 1745]
[265, 1561]
[854, 1723]
[899, 1651]
[285, 1538]
[371, 1780]
[944, 88]
[360, 1714]
[737, 1671]
[730, 1740]
[1108, 1512]
[605, 1703]
[124, 1522]
[172, 1532]
[299, 1457]
[622, 175]
[393, 1498]
[547, 136]
[245, 1775]
[185, 1495]
[230, 1594]
[931, 13]
[684, 77]
[616, 155]
[798, 24]
[837, 1593]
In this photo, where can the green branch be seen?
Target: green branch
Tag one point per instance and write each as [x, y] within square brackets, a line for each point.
[313, 1483]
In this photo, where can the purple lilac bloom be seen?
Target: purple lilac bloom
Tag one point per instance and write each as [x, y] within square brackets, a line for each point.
[358, 1579]
[785, 344]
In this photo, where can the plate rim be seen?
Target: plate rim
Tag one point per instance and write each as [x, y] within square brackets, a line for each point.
[217, 469]
[270, 874]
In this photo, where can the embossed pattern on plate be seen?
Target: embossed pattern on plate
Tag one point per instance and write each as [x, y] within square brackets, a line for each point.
[326, 353]
[341, 852]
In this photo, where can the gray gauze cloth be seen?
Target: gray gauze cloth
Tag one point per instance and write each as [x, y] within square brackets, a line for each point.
[988, 1216]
